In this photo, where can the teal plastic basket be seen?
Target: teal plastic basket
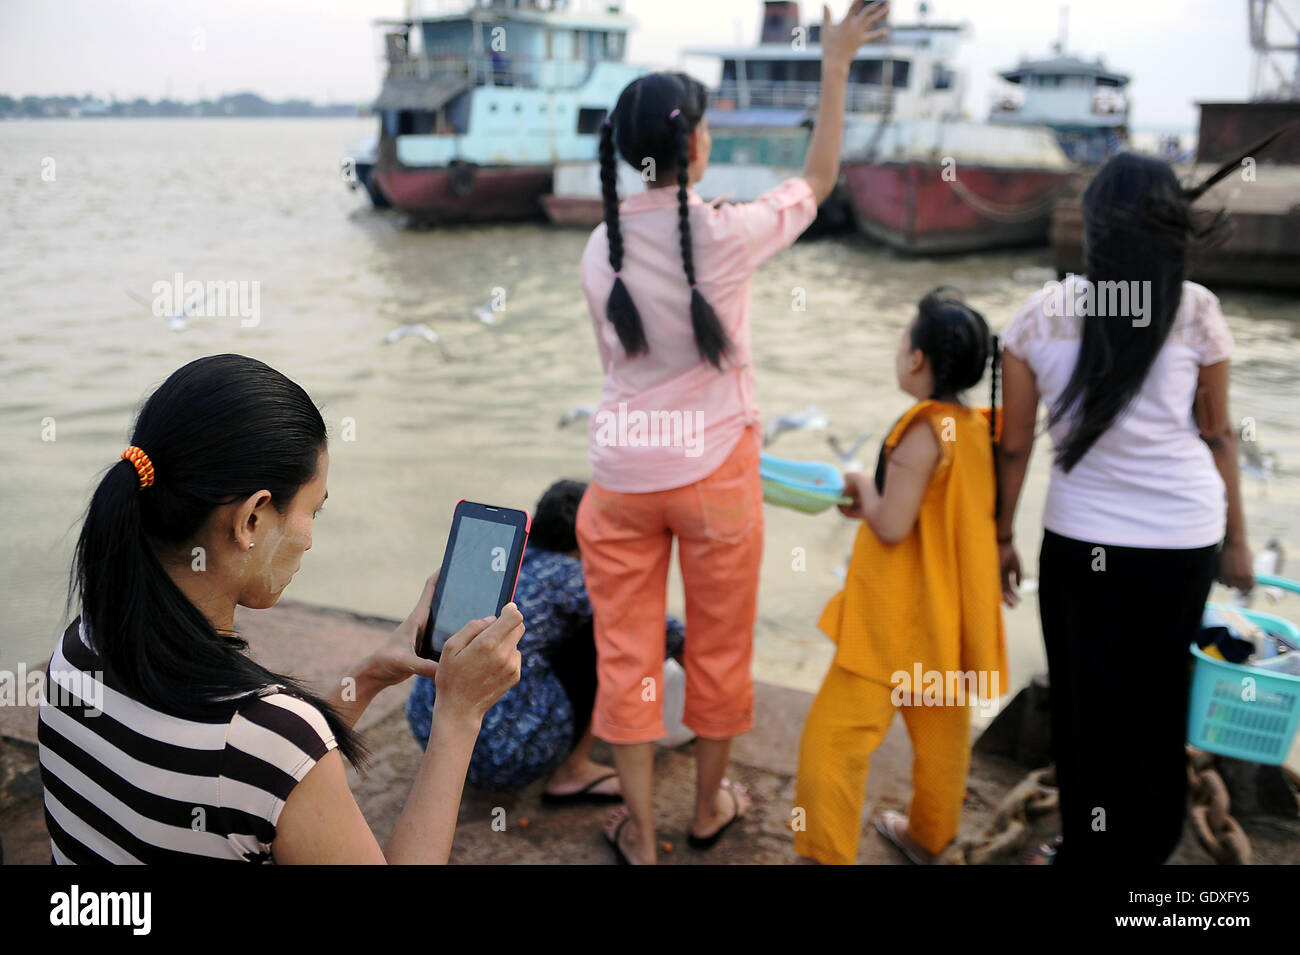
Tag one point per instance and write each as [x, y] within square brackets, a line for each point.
[1224, 718]
[808, 486]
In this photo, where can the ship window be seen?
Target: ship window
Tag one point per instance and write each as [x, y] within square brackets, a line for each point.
[865, 72]
[942, 77]
[902, 72]
[519, 108]
[492, 107]
[415, 122]
[589, 119]
[728, 71]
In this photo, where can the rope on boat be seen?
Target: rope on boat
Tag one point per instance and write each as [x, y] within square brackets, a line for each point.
[1001, 213]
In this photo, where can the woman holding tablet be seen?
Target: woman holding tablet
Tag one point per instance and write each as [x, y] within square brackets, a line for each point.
[160, 740]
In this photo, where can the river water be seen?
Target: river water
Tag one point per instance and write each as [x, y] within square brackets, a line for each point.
[93, 213]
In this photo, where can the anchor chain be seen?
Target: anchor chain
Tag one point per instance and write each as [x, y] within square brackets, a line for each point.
[1220, 834]
[1034, 795]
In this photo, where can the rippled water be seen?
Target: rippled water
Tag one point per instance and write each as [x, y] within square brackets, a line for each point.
[134, 202]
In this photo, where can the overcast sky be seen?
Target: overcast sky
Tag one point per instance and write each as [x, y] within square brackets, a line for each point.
[1177, 51]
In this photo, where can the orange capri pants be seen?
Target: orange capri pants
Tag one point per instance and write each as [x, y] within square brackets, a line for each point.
[626, 543]
[848, 720]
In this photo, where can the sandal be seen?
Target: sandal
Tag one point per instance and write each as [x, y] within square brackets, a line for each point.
[709, 841]
[887, 824]
[619, 854]
[1045, 854]
[583, 795]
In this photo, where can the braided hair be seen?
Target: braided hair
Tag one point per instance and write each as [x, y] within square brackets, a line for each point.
[957, 342]
[653, 120]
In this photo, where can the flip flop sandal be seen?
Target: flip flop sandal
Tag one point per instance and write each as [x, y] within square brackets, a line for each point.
[583, 795]
[708, 842]
[884, 825]
[1045, 854]
[619, 854]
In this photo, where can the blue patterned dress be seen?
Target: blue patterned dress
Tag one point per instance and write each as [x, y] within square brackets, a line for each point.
[531, 729]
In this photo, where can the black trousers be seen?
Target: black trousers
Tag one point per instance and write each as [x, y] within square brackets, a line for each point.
[574, 664]
[1117, 622]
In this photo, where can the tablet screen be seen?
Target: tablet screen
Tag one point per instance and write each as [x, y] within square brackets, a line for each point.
[475, 574]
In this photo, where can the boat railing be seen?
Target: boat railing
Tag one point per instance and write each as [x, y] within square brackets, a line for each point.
[488, 68]
[770, 94]
[1110, 105]
[448, 7]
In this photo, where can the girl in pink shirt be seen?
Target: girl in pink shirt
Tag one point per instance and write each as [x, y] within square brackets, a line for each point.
[674, 444]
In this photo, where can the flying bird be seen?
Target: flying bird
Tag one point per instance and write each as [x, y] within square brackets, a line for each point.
[810, 419]
[576, 413]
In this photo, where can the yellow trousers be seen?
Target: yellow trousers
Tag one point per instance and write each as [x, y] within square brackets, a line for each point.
[848, 719]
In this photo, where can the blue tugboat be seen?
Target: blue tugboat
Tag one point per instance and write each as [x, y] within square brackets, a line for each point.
[1080, 100]
[482, 99]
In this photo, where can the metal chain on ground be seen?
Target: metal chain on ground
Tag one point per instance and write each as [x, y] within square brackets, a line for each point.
[1220, 834]
[1034, 795]
[1217, 831]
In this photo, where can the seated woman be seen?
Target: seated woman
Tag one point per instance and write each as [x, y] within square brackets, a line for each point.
[543, 725]
[160, 740]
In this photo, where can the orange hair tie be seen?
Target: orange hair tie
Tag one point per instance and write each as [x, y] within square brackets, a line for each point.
[143, 466]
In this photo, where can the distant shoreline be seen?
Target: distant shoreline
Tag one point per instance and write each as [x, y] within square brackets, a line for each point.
[231, 106]
[55, 119]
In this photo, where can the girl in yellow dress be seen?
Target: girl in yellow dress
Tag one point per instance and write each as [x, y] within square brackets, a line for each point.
[919, 622]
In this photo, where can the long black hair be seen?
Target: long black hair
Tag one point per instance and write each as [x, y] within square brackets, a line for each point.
[217, 430]
[957, 342]
[1138, 223]
[653, 119]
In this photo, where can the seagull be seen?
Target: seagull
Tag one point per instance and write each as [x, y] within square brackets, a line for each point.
[810, 419]
[848, 461]
[423, 330]
[175, 322]
[576, 413]
[1261, 465]
[486, 314]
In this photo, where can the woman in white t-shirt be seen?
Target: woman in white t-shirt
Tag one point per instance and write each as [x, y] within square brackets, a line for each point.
[1143, 509]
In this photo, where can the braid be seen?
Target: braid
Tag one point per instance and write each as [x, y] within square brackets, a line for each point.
[683, 210]
[619, 309]
[609, 192]
[710, 337]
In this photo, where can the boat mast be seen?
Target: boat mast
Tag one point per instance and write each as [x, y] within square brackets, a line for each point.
[1264, 59]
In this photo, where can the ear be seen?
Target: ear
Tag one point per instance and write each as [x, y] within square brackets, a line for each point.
[247, 514]
[916, 361]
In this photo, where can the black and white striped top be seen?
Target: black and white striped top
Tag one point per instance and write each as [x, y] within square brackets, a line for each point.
[125, 783]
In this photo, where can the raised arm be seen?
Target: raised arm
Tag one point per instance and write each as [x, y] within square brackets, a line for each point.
[840, 42]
